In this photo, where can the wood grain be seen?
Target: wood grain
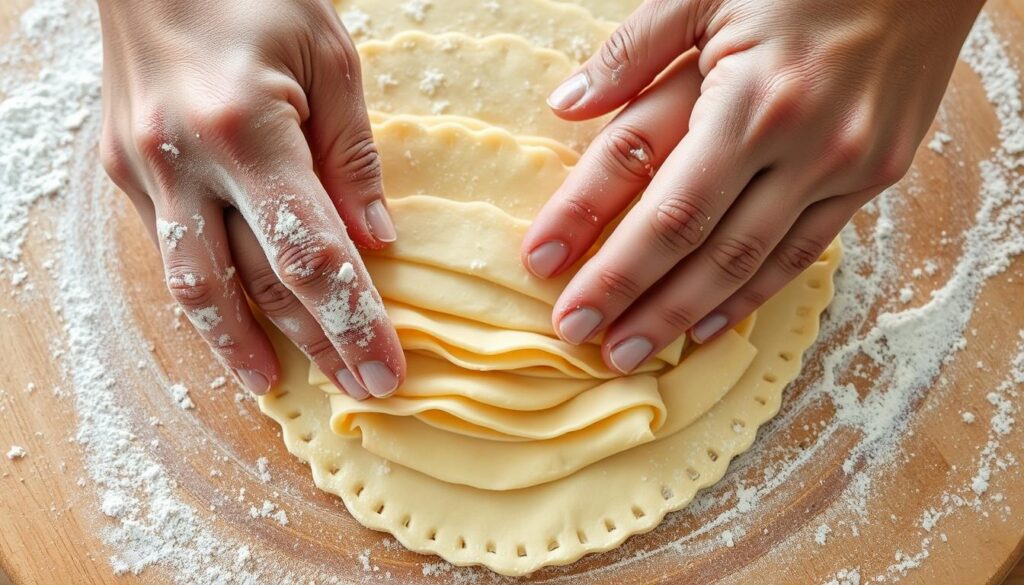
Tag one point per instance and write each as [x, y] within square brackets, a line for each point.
[49, 525]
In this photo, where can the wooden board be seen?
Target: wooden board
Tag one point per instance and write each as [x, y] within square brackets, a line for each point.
[49, 524]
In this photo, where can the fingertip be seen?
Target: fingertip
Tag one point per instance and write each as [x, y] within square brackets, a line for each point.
[378, 378]
[709, 327]
[255, 381]
[350, 385]
[379, 222]
[566, 99]
[547, 259]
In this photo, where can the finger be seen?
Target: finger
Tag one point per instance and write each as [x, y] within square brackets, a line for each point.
[200, 276]
[283, 308]
[731, 255]
[684, 201]
[644, 45]
[803, 245]
[307, 246]
[612, 172]
[343, 146]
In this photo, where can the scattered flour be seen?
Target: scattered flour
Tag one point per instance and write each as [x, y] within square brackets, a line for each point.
[939, 141]
[179, 393]
[170, 232]
[263, 469]
[206, 319]
[432, 80]
[416, 10]
[356, 21]
[269, 510]
[16, 452]
[821, 534]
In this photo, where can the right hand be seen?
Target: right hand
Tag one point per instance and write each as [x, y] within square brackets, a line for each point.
[241, 137]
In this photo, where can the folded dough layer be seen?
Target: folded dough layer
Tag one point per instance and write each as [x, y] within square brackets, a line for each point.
[428, 75]
[552, 25]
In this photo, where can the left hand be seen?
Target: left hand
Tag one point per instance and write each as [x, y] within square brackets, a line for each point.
[752, 154]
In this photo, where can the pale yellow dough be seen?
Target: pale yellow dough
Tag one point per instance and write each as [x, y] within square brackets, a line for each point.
[544, 23]
[517, 531]
[416, 73]
[612, 10]
[483, 454]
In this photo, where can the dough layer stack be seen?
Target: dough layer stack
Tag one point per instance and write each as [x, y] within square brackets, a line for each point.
[507, 447]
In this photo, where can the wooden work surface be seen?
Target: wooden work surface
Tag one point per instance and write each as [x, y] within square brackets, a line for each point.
[49, 525]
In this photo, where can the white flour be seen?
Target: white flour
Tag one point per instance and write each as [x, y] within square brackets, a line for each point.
[48, 128]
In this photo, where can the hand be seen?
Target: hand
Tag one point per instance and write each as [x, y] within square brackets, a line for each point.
[242, 139]
[751, 154]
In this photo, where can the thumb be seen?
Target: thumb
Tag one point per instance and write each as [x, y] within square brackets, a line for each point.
[642, 47]
[346, 156]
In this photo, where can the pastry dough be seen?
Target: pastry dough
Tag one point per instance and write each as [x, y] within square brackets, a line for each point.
[500, 80]
[612, 10]
[517, 531]
[500, 452]
[544, 23]
[500, 426]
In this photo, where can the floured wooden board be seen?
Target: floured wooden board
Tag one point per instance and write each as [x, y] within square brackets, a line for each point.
[92, 320]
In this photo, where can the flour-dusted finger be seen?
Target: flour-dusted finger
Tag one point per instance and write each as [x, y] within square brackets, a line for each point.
[201, 277]
[308, 248]
[281, 306]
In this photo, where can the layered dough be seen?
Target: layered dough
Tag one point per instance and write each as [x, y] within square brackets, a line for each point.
[563, 27]
[501, 80]
[505, 446]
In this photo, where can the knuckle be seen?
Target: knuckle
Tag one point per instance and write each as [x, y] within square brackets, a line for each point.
[618, 52]
[848, 148]
[304, 265]
[798, 254]
[619, 285]
[782, 102]
[627, 153]
[114, 159]
[677, 317]
[320, 350]
[579, 209]
[271, 295]
[752, 297]
[737, 259]
[189, 287]
[680, 223]
[341, 54]
[148, 138]
[892, 166]
[222, 118]
[356, 159]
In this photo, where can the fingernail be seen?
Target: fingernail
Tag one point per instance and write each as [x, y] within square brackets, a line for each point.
[379, 220]
[579, 325]
[378, 378]
[351, 385]
[545, 259]
[708, 326]
[629, 354]
[570, 92]
[254, 381]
